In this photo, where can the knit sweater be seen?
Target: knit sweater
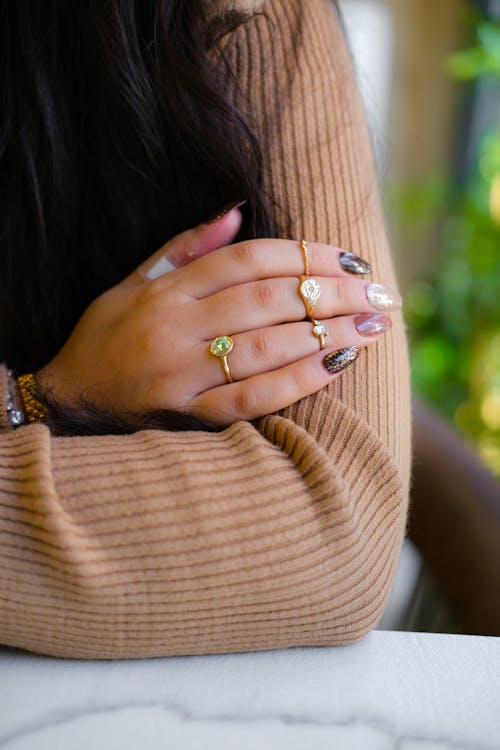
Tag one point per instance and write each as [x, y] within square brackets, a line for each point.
[285, 532]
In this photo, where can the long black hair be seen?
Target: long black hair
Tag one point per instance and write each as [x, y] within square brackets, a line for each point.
[115, 134]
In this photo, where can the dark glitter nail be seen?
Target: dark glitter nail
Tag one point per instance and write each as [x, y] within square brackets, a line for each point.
[354, 264]
[339, 360]
[223, 211]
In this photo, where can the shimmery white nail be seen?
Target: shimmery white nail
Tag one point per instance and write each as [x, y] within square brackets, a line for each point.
[383, 297]
[161, 267]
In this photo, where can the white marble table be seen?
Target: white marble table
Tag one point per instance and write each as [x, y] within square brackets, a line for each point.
[392, 691]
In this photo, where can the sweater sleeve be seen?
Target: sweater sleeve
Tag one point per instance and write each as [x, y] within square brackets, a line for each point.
[285, 533]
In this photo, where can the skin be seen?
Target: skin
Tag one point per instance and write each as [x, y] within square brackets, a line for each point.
[144, 344]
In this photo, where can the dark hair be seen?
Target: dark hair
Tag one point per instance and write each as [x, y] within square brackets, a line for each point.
[115, 134]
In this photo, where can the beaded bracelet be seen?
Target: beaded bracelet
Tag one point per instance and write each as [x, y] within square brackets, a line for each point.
[14, 407]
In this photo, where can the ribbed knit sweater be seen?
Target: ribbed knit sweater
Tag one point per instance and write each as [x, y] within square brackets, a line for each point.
[282, 533]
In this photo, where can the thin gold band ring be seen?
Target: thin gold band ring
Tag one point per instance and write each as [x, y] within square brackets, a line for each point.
[305, 257]
[309, 289]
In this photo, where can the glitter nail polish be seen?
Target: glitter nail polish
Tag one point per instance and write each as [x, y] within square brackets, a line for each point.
[354, 264]
[372, 325]
[382, 297]
[340, 359]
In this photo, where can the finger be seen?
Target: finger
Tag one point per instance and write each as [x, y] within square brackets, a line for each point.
[268, 392]
[261, 304]
[268, 349]
[267, 258]
[187, 246]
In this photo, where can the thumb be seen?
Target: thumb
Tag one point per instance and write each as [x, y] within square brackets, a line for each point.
[191, 244]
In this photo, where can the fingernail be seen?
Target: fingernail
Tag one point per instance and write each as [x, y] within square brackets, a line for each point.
[383, 297]
[372, 325]
[339, 360]
[354, 264]
[225, 210]
[162, 266]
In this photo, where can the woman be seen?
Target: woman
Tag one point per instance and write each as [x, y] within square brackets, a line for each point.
[217, 528]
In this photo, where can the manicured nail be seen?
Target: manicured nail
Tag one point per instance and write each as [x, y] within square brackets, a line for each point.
[225, 210]
[339, 360]
[372, 325]
[162, 266]
[383, 297]
[354, 264]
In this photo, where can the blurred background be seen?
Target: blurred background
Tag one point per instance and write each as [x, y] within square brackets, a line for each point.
[430, 78]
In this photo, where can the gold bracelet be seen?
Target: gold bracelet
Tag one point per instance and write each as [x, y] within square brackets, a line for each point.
[32, 408]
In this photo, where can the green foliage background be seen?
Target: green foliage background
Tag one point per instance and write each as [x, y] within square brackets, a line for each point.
[454, 319]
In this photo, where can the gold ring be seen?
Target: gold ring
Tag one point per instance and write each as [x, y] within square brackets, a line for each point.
[310, 292]
[320, 331]
[220, 348]
[305, 257]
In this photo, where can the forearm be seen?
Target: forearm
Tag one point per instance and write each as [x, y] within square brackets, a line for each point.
[158, 544]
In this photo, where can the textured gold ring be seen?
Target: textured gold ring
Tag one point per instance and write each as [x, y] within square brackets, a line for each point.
[320, 331]
[305, 257]
[220, 348]
[310, 292]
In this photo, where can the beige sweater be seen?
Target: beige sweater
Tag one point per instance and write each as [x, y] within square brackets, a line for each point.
[285, 534]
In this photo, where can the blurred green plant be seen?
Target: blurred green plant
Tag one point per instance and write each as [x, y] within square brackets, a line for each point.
[484, 59]
[454, 319]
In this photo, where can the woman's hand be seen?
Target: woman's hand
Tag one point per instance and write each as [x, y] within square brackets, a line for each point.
[144, 344]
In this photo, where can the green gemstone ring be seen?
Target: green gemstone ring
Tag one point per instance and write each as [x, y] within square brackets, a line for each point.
[220, 348]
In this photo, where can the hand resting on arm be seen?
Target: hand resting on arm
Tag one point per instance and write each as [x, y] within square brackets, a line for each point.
[144, 345]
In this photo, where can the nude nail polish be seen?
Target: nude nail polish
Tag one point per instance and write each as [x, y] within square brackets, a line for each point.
[340, 359]
[225, 210]
[372, 325]
[354, 264]
[161, 267]
[383, 298]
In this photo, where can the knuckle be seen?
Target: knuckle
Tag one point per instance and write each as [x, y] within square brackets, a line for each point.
[211, 410]
[260, 345]
[243, 254]
[151, 338]
[164, 393]
[343, 292]
[300, 381]
[149, 294]
[267, 295]
[245, 402]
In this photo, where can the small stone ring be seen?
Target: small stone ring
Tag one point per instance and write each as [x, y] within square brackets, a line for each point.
[310, 292]
[220, 348]
[320, 331]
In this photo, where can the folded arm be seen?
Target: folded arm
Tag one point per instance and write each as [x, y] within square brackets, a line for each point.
[277, 534]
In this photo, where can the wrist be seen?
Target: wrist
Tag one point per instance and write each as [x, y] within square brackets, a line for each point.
[45, 378]
[53, 382]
